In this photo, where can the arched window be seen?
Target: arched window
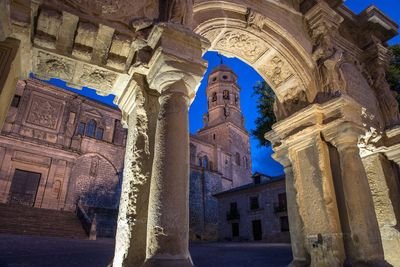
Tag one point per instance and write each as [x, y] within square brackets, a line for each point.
[81, 128]
[214, 97]
[91, 128]
[237, 158]
[225, 94]
[246, 162]
[99, 133]
[205, 162]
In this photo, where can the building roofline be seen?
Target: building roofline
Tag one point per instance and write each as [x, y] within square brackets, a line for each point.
[250, 186]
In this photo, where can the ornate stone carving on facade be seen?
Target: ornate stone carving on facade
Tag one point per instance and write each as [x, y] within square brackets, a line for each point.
[115, 10]
[100, 79]
[278, 71]
[44, 113]
[292, 102]
[49, 65]
[94, 166]
[369, 142]
[246, 46]
[254, 20]
[323, 25]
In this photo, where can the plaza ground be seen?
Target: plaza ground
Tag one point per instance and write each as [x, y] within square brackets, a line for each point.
[32, 251]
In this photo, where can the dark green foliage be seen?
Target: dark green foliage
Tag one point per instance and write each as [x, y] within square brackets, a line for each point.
[393, 74]
[265, 106]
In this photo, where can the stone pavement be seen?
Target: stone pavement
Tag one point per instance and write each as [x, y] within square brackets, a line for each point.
[32, 251]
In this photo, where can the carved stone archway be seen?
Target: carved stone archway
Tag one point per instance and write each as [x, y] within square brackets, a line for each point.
[338, 130]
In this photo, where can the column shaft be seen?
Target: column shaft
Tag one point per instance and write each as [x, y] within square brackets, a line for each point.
[363, 242]
[385, 188]
[130, 247]
[168, 221]
[300, 255]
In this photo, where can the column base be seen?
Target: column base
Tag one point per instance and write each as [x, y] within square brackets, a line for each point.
[375, 263]
[168, 263]
[299, 263]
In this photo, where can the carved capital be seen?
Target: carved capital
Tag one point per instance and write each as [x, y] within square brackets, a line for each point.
[345, 136]
[177, 57]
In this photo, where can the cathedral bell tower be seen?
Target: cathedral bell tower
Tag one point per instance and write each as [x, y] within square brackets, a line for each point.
[223, 98]
[224, 128]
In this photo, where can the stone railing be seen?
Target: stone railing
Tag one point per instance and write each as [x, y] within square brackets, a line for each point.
[88, 224]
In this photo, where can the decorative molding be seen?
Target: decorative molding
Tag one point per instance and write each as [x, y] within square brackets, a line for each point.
[44, 113]
[49, 65]
[242, 44]
[100, 79]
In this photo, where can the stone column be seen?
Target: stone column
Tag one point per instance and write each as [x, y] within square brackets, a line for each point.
[385, 189]
[361, 231]
[316, 200]
[10, 71]
[142, 107]
[296, 224]
[168, 225]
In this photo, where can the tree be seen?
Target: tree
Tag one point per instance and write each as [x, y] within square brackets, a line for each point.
[393, 74]
[265, 107]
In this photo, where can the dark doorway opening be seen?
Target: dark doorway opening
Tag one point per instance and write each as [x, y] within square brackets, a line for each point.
[24, 187]
[235, 229]
[257, 230]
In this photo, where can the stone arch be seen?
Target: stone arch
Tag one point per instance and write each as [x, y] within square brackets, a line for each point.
[94, 181]
[281, 56]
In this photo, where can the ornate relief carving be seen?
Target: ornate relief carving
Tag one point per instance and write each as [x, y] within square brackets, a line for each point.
[278, 71]
[49, 65]
[44, 112]
[293, 101]
[115, 10]
[386, 97]
[98, 79]
[328, 58]
[242, 44]
[254, 20]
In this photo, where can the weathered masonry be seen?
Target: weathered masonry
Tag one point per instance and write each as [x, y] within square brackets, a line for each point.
[338, 134]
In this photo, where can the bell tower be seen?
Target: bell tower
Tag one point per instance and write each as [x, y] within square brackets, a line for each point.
[223, 98]
[224, 126]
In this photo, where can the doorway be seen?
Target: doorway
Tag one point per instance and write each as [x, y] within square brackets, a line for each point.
[257, 230]
[24, 187]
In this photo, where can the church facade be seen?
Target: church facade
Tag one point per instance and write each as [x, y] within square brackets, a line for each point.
[219, 153]
[58, 148]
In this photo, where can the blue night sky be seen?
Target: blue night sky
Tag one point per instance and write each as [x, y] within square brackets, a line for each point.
[261, 156]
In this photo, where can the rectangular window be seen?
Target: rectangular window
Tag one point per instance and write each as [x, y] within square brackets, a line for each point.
[81, 128]
[235, 229]
[99, 134]
[284, 224]
[233, 207]
[15, 101]
[282, 200]
[254, 205]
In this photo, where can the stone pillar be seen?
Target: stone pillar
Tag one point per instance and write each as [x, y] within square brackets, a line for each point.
[296, 224]
[5, 22]
[361, 231]
[142, 107]
[319, 220]
[168, 225]
[385, 189]
[10, 71]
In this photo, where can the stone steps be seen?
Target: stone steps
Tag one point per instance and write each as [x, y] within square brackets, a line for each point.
[33, 221]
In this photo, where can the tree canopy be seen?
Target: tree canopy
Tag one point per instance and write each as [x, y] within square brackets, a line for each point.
[393, 74]
[265, 107]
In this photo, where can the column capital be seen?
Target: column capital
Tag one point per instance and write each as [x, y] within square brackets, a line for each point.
[177, 57]
[344, 135]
